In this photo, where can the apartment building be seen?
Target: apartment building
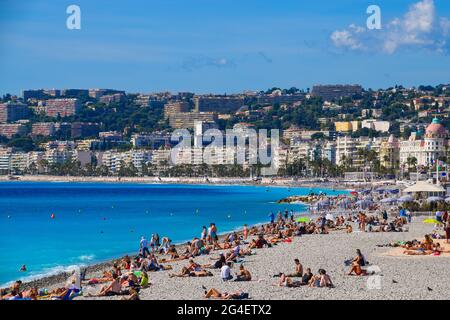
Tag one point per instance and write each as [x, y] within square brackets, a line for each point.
[43, 129]
[175, 107]
[390, 153]
[186, 120]
[151, 140]
[10, 129]
[219, 104]
[13, 111]
[346, 150]
[112, 98]
[347, 126]
[62, 107]
[330, 92]
[381, 126]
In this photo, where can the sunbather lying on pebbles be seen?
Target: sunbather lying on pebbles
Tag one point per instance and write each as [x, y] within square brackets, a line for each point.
[215, 294]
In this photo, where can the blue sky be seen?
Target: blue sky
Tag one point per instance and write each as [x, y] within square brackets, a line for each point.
[222, 45]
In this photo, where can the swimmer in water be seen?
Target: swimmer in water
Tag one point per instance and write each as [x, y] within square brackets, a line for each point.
[23, 268]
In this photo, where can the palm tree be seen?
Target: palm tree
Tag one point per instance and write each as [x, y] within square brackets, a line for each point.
[412, 163]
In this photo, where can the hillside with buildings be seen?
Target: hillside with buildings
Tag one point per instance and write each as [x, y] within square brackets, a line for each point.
[328, 131]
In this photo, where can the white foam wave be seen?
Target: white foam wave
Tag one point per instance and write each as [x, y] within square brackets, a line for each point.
[89, 257]
[47, 272]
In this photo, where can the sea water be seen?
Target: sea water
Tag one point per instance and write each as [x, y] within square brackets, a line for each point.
[50, 227]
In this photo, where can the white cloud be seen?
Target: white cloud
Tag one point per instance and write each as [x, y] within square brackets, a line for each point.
[345, 38]
[418, 28]
[420, 17]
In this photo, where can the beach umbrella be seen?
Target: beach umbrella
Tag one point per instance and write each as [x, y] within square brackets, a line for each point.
[389, 200]
[431, 221]
[434, 199]
[353, 193]
[329, 216]
[406, 198]
[323, 203]
[394, 191]
[303, 219]
[380, 190]
[447, 199]
[364, 202]
[344, 203]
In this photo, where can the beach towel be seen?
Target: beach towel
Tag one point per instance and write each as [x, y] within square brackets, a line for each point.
[348, 262]
[243, 295]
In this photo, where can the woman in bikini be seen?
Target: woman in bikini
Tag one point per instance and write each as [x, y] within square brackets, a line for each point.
[358, 262]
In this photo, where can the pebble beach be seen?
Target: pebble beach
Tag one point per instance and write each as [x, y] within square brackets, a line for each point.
[400, 277]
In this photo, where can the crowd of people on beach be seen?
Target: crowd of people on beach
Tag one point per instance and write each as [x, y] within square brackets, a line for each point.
[131, 274]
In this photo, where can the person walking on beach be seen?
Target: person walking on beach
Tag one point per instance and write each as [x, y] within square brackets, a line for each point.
[204, 233]
[245, 232]
[144, 247]
[438, 216]
[214, 236]
[447, 230]
[362, 221]
[272, 217]
[153, 242]
[444, 217]
[208, 237]
[157, 242]
[323, 223]
[279, 216]
[408, 216]
[385, 215]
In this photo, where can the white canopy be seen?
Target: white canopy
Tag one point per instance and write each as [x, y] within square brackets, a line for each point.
[423, 186]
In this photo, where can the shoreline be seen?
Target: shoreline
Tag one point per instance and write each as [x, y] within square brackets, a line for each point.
[46, 281]
[59, 277]
[225, 181]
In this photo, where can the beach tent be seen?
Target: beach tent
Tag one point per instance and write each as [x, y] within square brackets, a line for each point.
[447, 199]
[423, 187]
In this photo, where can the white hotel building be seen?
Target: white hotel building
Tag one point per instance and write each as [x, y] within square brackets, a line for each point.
[427, 149]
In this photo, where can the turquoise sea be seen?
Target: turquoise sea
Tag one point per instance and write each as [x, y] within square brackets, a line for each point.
[94, 222]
